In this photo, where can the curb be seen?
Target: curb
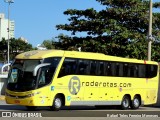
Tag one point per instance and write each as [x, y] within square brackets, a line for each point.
[2, 97]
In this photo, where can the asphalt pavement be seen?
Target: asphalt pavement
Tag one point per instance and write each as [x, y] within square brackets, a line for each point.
[18, 112]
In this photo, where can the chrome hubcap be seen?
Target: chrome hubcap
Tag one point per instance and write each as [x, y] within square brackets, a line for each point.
[136, 102]
[125, 103]
[57, 103]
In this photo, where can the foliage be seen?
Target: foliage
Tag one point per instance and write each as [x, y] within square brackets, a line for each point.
[16, 46]
[120, 29]
[48, 44]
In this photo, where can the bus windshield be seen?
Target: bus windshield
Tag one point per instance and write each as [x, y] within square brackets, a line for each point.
[21, 74]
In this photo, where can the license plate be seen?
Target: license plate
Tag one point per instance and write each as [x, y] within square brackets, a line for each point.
[17, 101]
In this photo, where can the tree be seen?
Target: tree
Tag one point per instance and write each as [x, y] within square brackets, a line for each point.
[3, 50]
[120, 29]
[16, 46]
[48, 44]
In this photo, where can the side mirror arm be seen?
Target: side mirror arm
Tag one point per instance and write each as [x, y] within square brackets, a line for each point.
[5, 65]
[39, 66]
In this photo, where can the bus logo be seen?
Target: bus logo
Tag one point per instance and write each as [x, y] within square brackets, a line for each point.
[74, 85]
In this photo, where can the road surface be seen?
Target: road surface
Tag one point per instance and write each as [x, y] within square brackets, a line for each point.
[78, 113]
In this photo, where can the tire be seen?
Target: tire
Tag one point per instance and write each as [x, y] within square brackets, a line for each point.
[125, 103]
[31, 108]
[57, 103]
[136, 102]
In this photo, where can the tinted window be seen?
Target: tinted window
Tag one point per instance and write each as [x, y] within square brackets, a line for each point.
[83, 67]
[100, 68]
[125, 70]
[118, 69]
[46, 73]
[136, 70]
[45, 76]
[108, 70]
[142, 71]
[93, 68]
[69, 67]
[151, 71]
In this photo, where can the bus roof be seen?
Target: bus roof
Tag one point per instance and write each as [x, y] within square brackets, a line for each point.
[40, 54]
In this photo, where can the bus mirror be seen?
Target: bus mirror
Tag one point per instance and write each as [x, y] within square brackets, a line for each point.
[4, 66]
[39, 66]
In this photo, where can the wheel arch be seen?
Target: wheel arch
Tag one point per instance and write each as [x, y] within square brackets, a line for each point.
[128, 95]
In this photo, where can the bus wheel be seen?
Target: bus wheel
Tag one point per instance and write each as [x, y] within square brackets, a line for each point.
[125, 103]
[136, 102]
[31, 108]
[57, 103]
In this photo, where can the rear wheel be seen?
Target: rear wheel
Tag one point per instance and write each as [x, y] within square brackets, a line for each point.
[125, 103]
[136, 102]
[57, 103]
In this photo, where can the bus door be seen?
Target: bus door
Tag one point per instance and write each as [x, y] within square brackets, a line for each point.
[44, 80]
[45, 73]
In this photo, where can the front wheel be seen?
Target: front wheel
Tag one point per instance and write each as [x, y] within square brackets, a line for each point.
[57, 103]
[136, 102]
[125, 103]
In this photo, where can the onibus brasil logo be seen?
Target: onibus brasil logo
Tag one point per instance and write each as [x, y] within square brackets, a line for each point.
[74, 85]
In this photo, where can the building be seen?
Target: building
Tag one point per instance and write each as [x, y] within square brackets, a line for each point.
[41, 47]
[4, 27]
[23, 39]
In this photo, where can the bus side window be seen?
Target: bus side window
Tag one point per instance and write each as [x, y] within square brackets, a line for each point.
[125, 70]
[83, 67]
[120, 70]
[100, 70]
[116, 70]
[69, 67]
[142, 71]
[113, 69]
[92, 67]
[135, 70]
[151, 71]
[108, 71]
[131, 70]
[45, 76]
[49, 74]
[42, 78]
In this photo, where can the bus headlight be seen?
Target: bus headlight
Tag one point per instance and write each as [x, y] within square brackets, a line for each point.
[6, 94]
[22, 97]
[32, 94]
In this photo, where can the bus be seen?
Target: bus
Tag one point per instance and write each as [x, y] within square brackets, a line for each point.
[57, 78]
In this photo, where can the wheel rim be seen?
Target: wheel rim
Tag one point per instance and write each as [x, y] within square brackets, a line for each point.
[125, 103]
[58, 103]
[136, 102]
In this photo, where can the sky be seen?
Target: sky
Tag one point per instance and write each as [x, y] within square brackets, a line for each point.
[35, 20]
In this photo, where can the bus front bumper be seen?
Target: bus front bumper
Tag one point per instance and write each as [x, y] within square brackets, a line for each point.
[31, 101]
